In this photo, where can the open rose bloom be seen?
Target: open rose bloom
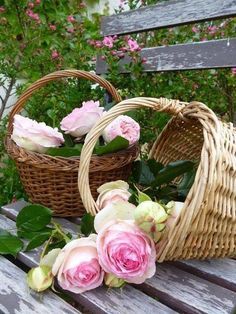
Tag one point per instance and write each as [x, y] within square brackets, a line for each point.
[34, 136]
[81, 120]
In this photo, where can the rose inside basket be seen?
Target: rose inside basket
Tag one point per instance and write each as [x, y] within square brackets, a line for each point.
[55, 147]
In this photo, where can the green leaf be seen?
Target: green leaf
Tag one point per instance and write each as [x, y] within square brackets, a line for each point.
[33, 217]
[9, 244]
[87, 224]
[118, 143]
[172, 171]
[65, 151]
[142, 173]
[185, 185]
[38, 240]
[68, 140]
[154, 166]
[29, 235]
[142, 197]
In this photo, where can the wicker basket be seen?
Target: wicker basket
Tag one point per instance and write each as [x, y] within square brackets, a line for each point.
[52, 181]
[206, 227]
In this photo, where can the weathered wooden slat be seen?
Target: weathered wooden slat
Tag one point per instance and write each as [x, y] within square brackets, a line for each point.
[100, 300]
[191, 294]
[219, 271]
[168, 13]
[202, 55]
[16, 297]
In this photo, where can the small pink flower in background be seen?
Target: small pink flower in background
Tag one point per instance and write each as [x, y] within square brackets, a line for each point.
[94, 59]
[91, 42]
[133, 45]
[52, 27]
[123, 126]
[126, 252]
[55, 54]
[233, 71]
[2, 9]
[70, 30]
[144, 60]
[71, 19]
[34, 136]
[82, 5]
[31, 5]
[113, 53]
[121, 55]
[204, 39]
[195, 86]
[124, 49]
[212, 29]
[77, 267]
[98, 44]
[81, 120]
[32, 15]
[37, 2]
[103, 57]
[195, 29]
[108, 41]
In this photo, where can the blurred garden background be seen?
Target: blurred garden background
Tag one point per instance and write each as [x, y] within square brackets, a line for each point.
[41, 36]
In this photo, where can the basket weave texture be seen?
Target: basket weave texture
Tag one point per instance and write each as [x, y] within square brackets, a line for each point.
[52, 181]
[206, 227]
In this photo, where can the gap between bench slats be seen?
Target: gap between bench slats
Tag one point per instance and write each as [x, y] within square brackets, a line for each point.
[15, 296]
[12, 210]
[167, 14]
[128, 300]
[202, 55]
[220, 271]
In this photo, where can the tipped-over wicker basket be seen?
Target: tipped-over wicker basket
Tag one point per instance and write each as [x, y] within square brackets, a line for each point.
[52, 181]
[206, 227]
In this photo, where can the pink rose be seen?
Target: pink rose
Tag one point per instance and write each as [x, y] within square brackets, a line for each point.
[126, 252]
[112, 197]
[133, 45]
[108, 41]
[81, 120]
[112, 192]
[2, 9]
[34, 136]
[123, 126]
[77, 267]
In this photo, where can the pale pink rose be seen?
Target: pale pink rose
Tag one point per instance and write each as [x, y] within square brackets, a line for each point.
[126, 252]
[123, 126]
[112, 196]
[133, 45]
[34, 136]
[174, 213]
[81, 120]
[77, 267]
[119, 210]
[108, 41]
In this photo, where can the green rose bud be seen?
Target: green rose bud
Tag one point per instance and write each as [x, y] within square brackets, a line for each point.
[40, 278]
[151, 217]
[113, 282]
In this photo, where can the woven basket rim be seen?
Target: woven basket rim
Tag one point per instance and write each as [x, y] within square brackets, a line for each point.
[58, 163]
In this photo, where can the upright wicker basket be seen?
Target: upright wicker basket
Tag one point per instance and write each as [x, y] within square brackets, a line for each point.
[52, 181]
[206, 227]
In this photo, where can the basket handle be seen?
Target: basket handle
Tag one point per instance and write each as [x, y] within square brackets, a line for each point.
[57, 75]
[173, 107]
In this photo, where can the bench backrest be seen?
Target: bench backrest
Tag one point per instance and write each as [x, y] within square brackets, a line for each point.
[199, 55]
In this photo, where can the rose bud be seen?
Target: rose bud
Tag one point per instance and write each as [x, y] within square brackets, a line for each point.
[40, 278]
[113, 282]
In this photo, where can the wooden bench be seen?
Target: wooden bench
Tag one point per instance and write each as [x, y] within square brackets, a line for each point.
[189, 287]
[183, 287]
